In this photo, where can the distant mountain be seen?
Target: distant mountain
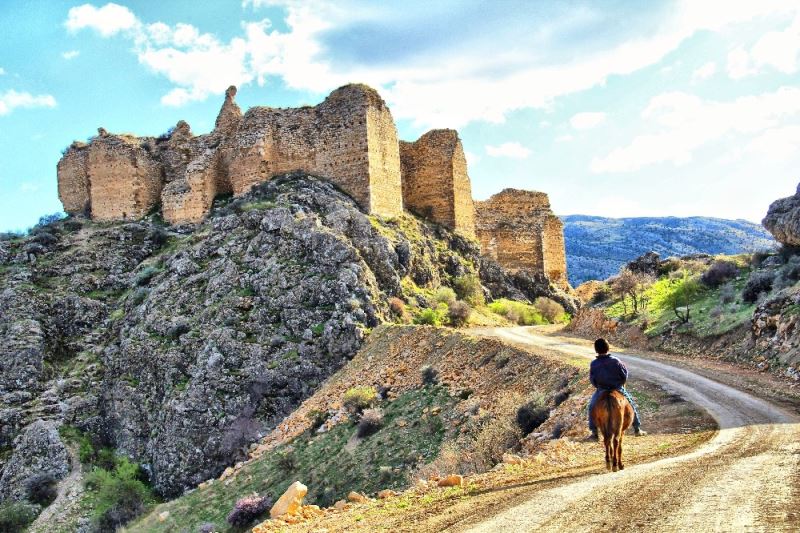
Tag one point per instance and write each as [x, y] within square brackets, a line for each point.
[597, 247]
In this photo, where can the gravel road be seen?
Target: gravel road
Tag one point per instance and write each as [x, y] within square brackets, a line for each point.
[747, 478]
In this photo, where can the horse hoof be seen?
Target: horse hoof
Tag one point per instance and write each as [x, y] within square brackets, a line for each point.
[615, 469]
[621, 467]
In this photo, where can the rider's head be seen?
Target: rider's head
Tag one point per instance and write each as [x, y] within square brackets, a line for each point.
[601, 346]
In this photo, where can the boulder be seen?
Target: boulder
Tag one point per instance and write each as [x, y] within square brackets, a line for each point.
[453, 480]
[38, 450]
[783, 220]
[511, 459]
[340, 505]
[291, 502]
[357, 497]
[385, 494]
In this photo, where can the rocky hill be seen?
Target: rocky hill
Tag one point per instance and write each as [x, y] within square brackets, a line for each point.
[597, 247]
[179, 347]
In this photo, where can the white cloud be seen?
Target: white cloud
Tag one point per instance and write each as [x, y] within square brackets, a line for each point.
[587, 120]
[2, 71]
[107, 20]
[779, 50]
[513, 150]
[11, 100]
[704, 72]
[446, 85]
[564, 138]
[70, 54]
[29, 187]
[472, 158]
[686, 123]
[776, 144]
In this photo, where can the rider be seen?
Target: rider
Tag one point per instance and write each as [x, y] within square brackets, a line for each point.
[608, 373]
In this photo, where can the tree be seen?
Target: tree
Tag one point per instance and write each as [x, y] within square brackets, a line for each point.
[683, 294]
[633, 285]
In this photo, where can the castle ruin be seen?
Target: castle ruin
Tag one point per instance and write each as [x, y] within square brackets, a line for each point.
[350, 139]
[519, 230]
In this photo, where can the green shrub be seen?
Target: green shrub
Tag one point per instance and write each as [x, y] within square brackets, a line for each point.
[444, 295]
[139, 295]
[469, 289]
[119, 494]
[357, 399]
[432, 317]
[522, 313]
[16, 516]
[532, 415]
[458, 313]
[719, 273]
[758, 283]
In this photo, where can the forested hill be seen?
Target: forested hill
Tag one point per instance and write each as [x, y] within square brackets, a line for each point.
[597, 247]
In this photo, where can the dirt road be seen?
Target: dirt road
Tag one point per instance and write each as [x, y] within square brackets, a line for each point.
[747, 478]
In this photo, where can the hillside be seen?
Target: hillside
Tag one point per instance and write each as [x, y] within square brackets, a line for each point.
[160, 354]
[597, 247]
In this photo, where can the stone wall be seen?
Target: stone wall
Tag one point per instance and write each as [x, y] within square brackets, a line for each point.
[518, 229]
[435, 180]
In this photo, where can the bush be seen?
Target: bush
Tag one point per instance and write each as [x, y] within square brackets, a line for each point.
[317, 418]
[469, 289]
[397, 306]
[430, 376]
[532, 415]
[522, 313]
[370, 423]
[120, 496]
[46, 220]
[431, 317]
[41, 489]
[728, 294]
[550, 310]
[16, 516]
[718, 273]
[758, 257]
[139, 296]
[248, 509]
[444, 295]
[45, 238]
[144, 277]
[758, 283]
[357, 399]
[208, 527]
[458, 313]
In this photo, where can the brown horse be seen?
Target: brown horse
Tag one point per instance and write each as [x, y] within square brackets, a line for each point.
[612, 415]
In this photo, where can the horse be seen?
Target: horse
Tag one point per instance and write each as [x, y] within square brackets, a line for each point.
[612, 415]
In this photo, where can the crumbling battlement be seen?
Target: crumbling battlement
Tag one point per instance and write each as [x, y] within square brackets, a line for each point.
[519, 230]
[350, 138]
[435, 180]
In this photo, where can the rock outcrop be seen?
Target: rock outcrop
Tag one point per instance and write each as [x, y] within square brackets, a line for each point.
[783, 220]
[38, 450]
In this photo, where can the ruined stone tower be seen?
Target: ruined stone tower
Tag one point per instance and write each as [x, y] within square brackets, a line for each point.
[519, 230]
[435, 180]
[350, 139]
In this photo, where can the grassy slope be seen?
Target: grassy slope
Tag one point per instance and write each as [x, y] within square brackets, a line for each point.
[330, 466]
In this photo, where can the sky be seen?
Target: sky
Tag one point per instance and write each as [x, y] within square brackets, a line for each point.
[614, 108]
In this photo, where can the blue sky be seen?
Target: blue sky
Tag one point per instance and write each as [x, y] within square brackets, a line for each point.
[614, 108]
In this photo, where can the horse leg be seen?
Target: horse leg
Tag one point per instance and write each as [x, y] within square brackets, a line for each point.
[614, 452]
[619, 452]
[607, 443]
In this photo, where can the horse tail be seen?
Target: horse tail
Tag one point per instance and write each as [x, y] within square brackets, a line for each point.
[610, 418]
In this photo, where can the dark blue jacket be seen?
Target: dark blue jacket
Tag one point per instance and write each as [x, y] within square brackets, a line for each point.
[607, 372]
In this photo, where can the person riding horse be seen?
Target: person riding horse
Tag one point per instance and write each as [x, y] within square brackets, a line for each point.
[608, 373]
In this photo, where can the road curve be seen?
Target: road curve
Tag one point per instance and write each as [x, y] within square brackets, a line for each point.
[747, 478]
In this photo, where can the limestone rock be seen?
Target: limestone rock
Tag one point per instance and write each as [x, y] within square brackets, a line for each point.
[783, 220]
[39, 450]
[385, 494]
[512, 459]
[291, 502]
[340, 505]
[453, 480]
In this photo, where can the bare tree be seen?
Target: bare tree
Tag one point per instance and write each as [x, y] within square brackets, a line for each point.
[632, 285]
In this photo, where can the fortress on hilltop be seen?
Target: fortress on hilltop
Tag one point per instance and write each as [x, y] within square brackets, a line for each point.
[350, 139]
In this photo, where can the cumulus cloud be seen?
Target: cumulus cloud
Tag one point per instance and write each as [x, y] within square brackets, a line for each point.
[564, 138]
[513, 150]
[704, 72]
[686, 123]
[11, 100]
[108, 20]
[454, 79]
[70, 54]
[587, 120]
[2, 71]
[779, 50]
